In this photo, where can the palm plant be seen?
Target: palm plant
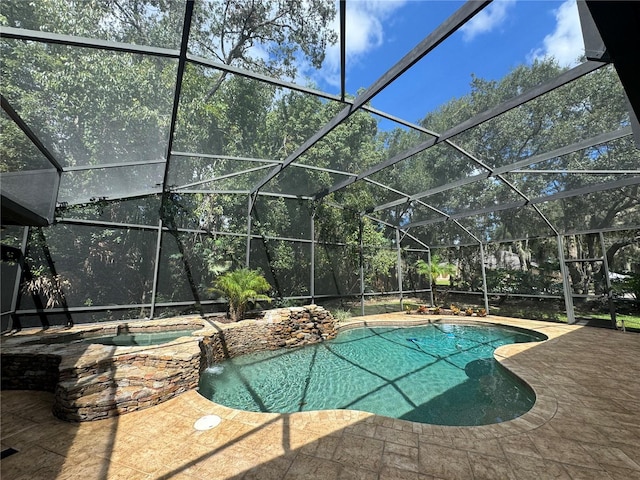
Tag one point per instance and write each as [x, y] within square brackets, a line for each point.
[434, 270]
[48, 286]
[241, 287]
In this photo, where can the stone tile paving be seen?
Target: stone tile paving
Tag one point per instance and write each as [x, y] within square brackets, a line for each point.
[585, 425]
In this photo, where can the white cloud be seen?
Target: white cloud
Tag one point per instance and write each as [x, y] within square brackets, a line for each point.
[487, 19]
[364, 30]
[258, 51]
[565, 43]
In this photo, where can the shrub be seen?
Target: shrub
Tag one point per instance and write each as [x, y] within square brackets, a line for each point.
[241, 287]
[341, 315]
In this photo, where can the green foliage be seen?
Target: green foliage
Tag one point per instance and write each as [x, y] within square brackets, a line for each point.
[504, 280]
[437, 268]
[629, 285]
[379, 257]
[593, 104]
[242, 287]
[341, 315]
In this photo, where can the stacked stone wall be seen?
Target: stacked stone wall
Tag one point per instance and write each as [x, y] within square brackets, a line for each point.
[124, 384]
[280, 328]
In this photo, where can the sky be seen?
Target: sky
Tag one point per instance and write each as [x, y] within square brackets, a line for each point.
[502, 36]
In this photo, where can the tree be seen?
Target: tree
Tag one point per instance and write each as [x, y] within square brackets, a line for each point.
[437, 268]
[242, 287]
[589, 106]
[270, 36]
[378, 256]
[592, 105]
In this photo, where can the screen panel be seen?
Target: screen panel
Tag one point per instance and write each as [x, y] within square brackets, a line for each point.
[35, 190]
[138, 211]
[189, 264]
[99, 267]
[110, 183]
[89, 106]
[145, 22]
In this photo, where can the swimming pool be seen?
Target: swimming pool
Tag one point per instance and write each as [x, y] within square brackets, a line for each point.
[441, 374]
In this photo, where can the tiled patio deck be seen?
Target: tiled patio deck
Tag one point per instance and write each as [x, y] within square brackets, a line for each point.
[585, 425]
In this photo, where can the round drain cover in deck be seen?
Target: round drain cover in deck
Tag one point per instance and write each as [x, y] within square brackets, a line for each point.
[207, 422]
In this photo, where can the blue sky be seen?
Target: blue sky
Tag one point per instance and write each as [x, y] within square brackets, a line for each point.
[505, 34]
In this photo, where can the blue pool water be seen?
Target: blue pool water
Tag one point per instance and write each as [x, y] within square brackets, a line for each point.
[441, 374]
[139, 339]
[130, 339]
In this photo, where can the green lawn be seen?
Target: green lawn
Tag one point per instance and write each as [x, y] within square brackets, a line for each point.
[540, 313]
[630, 321]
